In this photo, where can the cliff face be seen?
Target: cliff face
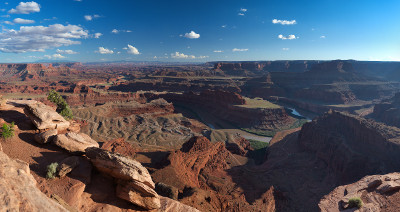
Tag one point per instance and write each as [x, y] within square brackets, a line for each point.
[334, 82]
[262, 67]
[348, 143]
[388, 111]
[225, 105]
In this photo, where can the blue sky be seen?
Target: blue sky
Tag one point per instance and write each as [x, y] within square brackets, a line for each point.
[150, 30]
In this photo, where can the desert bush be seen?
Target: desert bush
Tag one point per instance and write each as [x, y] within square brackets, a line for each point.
[51, 170]
[62, 106]
[7, 131]
[355, 202]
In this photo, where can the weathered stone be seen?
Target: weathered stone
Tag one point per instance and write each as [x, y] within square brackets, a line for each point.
[374, 191]
[67, 165]
[170, 205]
[388, 186]
[75, 142]
[44, 117]
[139, 194]
[46, 137]
[119, 166]
[18, 191]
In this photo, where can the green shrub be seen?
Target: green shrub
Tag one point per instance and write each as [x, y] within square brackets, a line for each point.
[7, 131]
[51, 170]
[62, 106]
[355, 202]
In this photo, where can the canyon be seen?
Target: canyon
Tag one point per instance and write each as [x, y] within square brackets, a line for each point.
[194, 129]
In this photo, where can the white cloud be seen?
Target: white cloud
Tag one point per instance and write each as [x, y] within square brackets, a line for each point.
[39, 38]
[243, 10]
[91, 17]
[241, 14]
[323, 36]
[178, 55]
[66, 51]
[285, 49]
[103, 50]
[240, 50]
[289, 37]
[26, 8]
[217, 51]
[284, 22]
[58, 56]
[97, 35]
[54, 56]
[8, 22]
[23, 21]
[224, 26]
[202, 57]
[132, 50]
[116, 31]
[77, 0]
[192, 35]
[88, 17]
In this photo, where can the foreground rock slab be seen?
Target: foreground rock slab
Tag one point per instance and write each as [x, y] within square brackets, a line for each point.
[46, 137]
[134, 183]
[44, 117]
[18, 191]
[139, 194]
[119, 166]
[170, 205]
[377, 192]
[75, 142]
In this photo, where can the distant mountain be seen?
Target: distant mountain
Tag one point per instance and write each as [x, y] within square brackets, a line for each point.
[54, 61]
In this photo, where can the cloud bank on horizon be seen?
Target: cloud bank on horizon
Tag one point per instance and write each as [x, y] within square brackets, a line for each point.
[80, 30]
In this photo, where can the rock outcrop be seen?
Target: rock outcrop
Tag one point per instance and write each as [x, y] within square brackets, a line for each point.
[170, 205]
[75, 142]
[46, 137]
[67, 165]
[344, 142]
[18, 191]
[377, 192]
[138, 193]
[388, 111]
[45, 117]
[134, 182]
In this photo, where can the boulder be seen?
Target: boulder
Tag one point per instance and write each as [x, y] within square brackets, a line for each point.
[46, 137]
[44, 117]
[75, 142]
[170, 205]
[18, 191]
[67, 165]
[119, 166]
[139, 194]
